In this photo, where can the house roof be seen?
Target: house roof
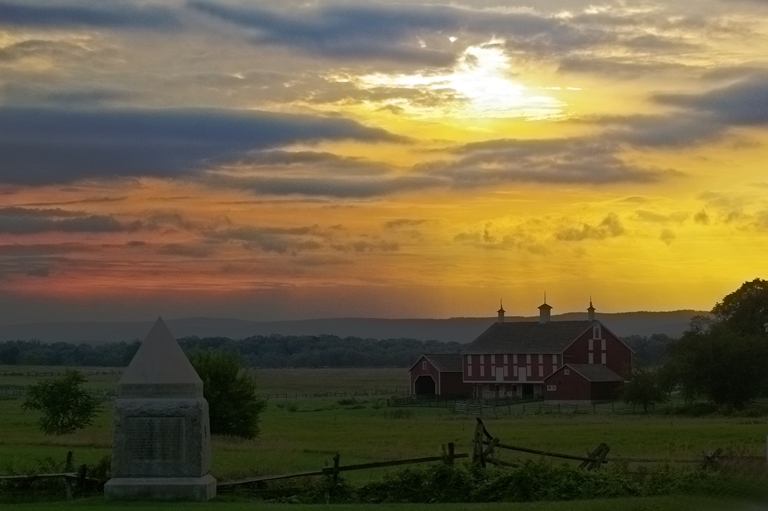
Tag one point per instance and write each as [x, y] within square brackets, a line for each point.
[527, 337]
[595, 372]
[443, 362]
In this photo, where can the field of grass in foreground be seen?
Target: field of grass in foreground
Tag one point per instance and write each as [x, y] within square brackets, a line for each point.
[304, 434]
[670, 503]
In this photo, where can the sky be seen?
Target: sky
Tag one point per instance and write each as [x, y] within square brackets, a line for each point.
[306, 159]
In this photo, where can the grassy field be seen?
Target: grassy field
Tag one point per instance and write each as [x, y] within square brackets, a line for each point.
[673, 503]
[300, 434]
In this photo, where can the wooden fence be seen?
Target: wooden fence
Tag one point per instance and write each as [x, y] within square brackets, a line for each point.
[74, 482]
[448, 457]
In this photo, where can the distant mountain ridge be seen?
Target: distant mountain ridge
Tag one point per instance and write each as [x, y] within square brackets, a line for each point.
[672, 323]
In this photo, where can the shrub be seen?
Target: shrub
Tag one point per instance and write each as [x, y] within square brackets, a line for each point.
[65, 405]
[234, 406]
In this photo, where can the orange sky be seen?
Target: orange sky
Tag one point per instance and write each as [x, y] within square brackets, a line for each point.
[250, 160]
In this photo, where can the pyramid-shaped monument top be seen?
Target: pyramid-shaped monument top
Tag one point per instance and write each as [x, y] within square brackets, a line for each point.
[160, 368]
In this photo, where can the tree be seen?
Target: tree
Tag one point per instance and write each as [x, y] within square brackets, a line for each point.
[65, 405]
[234, 406]
[721, 364]
[746, 309]
[644, 388]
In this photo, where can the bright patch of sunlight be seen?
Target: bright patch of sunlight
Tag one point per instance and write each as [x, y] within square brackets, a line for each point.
[480, 84]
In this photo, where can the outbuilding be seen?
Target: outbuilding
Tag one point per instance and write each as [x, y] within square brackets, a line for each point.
[438, 375]
[582, 384]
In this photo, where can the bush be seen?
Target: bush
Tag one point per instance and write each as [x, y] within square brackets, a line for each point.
[65, 405]
[234, 406]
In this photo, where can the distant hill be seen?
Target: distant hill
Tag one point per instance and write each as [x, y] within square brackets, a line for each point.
[454, 329]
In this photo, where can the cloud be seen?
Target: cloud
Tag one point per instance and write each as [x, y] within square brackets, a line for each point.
[281, 240]
[574, 160]
[653, 217]
[41, 146]
[17, 221]
[701, 217]
[403, 223]
[744, 103]
[609, 227]
[98, 15]
[176, 249]
[667, 236]
[349, 31]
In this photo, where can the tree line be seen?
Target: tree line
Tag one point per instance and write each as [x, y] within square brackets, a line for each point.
[275, 351]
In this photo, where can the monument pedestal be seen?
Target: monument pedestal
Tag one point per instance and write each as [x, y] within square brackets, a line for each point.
[161, 447]
[160, 488]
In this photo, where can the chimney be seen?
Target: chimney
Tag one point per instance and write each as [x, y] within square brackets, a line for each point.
[544, 311]
[591, 311]
[501, 312]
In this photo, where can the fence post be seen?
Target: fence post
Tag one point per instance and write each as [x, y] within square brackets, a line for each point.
[451, 452]
[67, 481]
[336, 467]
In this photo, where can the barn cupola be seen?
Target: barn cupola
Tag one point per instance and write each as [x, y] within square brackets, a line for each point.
[591, 311]
[544, 311]
[501, 312]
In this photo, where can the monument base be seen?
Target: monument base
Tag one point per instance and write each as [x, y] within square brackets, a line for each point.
[161, 488]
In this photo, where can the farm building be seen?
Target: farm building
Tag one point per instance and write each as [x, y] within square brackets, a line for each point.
[518, 358]
[438, 375]
[582, 383]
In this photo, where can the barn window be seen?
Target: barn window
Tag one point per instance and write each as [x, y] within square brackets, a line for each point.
[514, 359]
[551, 388]
[591, 358]
[554, 368]
[596, 331]
[602, 344]
[567, 372]
[541, 358]
[527, 359]
[591, 345]
[469, 359]
[493, 359]
[554, 359]
[469, 370]
[482, 370]
[424, 365]
[602, 358]
[505, 360]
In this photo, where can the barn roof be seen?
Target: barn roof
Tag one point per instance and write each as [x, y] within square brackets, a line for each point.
[595, 372]
[443, 362]
[527, 337]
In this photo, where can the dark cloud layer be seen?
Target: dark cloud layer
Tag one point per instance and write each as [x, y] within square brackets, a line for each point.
[14, 220]
[106, 15]
[40, 146]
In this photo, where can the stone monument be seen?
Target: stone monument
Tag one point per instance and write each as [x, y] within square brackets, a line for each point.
[161, 437]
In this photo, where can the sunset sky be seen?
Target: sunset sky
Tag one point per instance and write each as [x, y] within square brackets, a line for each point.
[305, 159]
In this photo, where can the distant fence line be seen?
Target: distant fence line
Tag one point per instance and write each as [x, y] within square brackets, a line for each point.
[111, 393]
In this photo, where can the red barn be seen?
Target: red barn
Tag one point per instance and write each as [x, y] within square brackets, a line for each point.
[515, 358]
[438, 375]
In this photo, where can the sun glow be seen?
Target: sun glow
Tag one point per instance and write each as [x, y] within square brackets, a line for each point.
[479, 85]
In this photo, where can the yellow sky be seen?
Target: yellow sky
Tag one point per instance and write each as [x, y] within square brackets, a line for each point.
[378, 159]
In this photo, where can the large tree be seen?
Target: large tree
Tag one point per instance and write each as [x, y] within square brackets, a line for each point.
[725, 366]
[746, 309]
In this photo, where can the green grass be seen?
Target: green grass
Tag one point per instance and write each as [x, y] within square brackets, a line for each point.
[671, 503]
[307, 438]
